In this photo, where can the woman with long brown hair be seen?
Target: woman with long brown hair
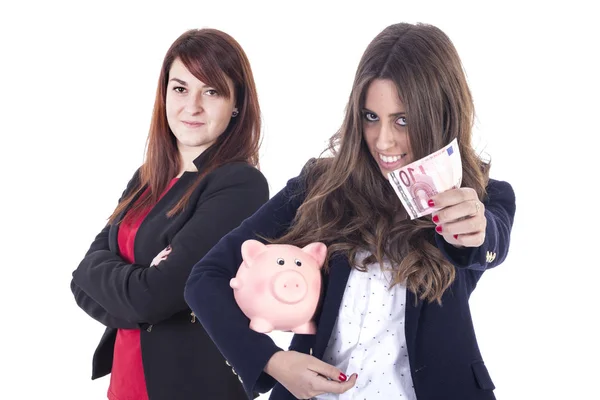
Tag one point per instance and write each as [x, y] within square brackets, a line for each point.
[394, 319]
[199, 180]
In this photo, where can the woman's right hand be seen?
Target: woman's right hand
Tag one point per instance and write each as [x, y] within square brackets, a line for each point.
[306, 376]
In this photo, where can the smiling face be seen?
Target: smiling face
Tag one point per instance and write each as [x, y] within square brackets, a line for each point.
[385, 127]
[197, 114]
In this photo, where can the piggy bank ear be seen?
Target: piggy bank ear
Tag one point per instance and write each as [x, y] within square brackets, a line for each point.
[252, 248]
[318, 251]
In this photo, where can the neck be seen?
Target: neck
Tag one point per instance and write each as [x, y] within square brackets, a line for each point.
[187, 156]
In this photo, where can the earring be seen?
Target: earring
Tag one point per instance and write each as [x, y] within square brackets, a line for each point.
[235, 113]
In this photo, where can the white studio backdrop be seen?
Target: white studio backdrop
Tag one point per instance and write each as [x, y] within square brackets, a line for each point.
[78, 84]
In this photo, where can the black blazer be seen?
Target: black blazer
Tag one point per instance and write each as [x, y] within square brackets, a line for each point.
[180, 360]
[443, 354]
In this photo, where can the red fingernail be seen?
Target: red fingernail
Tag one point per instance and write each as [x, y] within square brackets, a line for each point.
[343, 377]
[430, 203]
[438, 229]
[436, 219]
[455, 236]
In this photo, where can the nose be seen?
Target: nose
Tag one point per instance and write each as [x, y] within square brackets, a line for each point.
[385, 138]
[193, 104]
[289, 287]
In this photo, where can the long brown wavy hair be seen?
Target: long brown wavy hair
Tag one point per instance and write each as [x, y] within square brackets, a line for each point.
[211, 56]
[350, 205]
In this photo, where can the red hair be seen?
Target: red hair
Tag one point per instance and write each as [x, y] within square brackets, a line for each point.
[211, 56]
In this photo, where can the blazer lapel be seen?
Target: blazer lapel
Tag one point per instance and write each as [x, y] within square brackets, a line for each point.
[336, 281]
[413, 313]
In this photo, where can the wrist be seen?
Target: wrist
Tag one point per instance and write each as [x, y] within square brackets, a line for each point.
[271, 366]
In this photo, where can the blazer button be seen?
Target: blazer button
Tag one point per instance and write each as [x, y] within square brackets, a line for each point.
[490, 256]
[227, 362]
[241, 381]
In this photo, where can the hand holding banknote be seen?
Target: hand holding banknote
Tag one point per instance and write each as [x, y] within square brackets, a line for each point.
[416, 183]
[432, 185]
[460, 217]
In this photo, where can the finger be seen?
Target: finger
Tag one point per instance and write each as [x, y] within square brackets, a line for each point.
[458, 211]
[158, 260]
[471, 240]
[453, 240]
[467, 226]
[163, 253]
[327, 370]
[452, 197]
[321, 385]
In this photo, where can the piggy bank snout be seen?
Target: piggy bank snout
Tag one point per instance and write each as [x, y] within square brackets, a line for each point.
[289, 287]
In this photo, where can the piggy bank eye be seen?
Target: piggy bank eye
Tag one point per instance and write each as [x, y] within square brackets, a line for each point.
[298, 263]
[280, 261]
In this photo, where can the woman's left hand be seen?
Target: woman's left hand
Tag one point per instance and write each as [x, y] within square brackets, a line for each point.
[459, 217]
[161, 256]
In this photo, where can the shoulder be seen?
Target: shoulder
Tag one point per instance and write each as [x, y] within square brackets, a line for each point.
[312, 170]
[236, 175]
[134, 182]
[136, 177]
[315, 167]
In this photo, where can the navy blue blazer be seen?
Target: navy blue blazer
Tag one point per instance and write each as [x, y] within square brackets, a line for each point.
[444, 357]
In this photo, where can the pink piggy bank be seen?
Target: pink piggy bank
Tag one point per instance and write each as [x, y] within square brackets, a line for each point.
[278, 286]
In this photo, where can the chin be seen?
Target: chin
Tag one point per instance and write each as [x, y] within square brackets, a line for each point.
[190, 143]
[198, 143]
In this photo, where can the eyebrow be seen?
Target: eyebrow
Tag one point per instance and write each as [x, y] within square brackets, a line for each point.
[398, 114]
[184, 83]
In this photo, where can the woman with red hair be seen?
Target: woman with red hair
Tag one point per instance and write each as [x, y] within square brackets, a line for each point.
[199, 180]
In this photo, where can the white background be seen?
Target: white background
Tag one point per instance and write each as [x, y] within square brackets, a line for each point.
[77, 89]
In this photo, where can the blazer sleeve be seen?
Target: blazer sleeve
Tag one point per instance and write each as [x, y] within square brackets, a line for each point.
[141, 294]
[96, 311]
[85, 302]
[209, 296]
[500, 206]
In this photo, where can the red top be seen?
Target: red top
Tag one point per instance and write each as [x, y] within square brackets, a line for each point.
[127, 381]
